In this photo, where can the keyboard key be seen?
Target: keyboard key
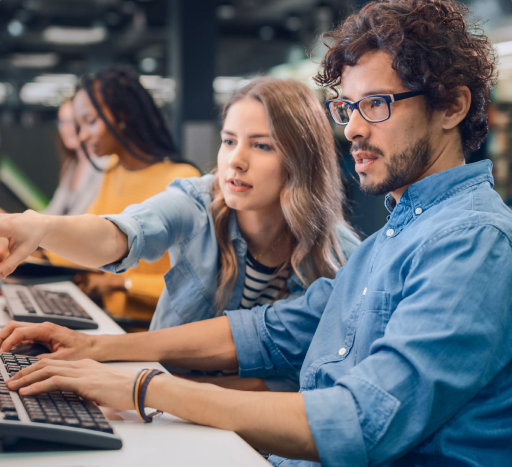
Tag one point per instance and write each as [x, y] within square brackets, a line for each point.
[105, 427]
[93, 409]
[55, 420]
[30, 400]
[71, 421]
[89, 425]
[7, 407]
[37, 417]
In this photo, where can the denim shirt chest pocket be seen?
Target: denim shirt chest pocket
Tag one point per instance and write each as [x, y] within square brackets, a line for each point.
[366, 323]
[371, 323]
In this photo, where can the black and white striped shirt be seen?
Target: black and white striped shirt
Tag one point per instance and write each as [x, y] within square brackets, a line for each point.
[262, 284]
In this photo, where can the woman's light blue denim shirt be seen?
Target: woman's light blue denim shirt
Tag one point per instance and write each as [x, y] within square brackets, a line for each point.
[179, 221]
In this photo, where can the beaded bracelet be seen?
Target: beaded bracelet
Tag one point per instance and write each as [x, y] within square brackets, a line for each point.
[141, 395]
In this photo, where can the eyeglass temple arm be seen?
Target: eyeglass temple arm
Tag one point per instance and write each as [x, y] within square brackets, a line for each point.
[405, 95]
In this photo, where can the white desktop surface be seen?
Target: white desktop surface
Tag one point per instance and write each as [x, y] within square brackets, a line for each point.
[168, 441]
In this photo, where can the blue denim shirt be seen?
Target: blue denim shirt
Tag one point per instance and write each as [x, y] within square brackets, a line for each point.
[179, 221]
[405, 356]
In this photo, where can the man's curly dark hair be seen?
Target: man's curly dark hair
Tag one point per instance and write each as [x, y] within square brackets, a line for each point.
[435, 47]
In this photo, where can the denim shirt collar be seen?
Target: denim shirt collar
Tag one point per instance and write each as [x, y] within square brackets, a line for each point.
[433, 189]
[234, 230]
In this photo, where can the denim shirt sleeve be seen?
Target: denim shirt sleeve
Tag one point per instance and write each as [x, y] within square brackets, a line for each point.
[273, 340]
[156, 224]
[443, 344]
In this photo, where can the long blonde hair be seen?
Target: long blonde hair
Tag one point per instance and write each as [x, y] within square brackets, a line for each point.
[312, 197]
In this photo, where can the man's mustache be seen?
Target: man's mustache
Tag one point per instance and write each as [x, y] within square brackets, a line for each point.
[365, 146]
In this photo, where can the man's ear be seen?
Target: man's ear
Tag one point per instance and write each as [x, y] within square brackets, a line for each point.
[458, 110]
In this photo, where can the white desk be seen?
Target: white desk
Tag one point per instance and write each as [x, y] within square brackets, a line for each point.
[168, 441]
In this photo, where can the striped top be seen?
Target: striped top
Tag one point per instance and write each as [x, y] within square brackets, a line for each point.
[262, 284]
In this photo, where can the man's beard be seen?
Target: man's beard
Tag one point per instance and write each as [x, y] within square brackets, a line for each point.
[401, 169]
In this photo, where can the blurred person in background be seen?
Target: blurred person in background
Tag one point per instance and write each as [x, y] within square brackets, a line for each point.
[79, 179]
[117, 117]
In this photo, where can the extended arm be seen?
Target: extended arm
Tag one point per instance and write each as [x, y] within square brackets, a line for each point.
[87, 240]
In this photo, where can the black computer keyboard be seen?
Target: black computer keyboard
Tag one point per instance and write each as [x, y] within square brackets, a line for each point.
[57, 416]
[36, 305]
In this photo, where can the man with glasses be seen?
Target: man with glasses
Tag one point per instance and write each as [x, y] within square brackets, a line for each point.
[406, 356]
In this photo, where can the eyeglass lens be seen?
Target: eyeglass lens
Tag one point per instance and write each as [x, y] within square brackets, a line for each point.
[373, 108]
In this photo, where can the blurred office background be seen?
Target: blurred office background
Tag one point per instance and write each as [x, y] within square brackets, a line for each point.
[192, 54]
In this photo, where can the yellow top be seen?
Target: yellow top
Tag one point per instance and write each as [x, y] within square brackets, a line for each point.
[120, 189]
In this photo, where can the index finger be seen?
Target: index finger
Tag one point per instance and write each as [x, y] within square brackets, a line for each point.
[7, 330]
[32, 332]
[39, 366]
[9, 264]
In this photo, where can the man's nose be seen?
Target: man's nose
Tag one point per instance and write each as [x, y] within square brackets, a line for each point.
[357, 127]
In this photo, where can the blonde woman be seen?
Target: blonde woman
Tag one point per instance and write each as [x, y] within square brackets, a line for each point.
[264, 227]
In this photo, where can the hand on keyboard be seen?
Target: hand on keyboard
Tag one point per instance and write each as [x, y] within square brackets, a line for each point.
[103, 384]
[65, 343]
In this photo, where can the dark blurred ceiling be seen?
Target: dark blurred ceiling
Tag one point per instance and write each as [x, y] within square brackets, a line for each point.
[33, 33]
[134, 30]
[40, 37]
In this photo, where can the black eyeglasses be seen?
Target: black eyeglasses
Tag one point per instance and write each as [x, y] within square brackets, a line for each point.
[373, 109]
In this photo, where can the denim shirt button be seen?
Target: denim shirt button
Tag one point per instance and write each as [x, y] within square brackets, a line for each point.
[342, 351]
[390, 232]
[418, 211]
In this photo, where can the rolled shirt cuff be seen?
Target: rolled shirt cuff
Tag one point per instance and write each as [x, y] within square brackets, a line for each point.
[333, 420]
[133, 229]
[258, 356]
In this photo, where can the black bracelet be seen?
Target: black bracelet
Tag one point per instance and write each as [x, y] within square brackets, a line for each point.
[142, 396]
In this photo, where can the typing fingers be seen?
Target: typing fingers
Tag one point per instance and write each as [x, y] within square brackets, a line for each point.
[7, 330]
[95, 381]
[41, 371]
[29, 333]
[58, 379]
